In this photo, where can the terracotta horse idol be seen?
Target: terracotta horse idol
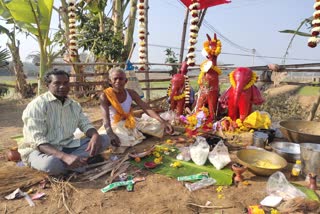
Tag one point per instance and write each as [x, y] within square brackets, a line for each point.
[208, 79]
[179, 90]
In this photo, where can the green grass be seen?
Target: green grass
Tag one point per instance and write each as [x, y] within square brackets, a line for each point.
[309, 90]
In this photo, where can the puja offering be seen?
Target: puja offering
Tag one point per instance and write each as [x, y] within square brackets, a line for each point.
[261, 162]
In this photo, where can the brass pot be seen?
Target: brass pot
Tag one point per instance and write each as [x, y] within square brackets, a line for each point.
[251, 157]
[300, 131]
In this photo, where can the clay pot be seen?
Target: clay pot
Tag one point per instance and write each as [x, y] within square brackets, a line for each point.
[313, 181]
[13, 155]
[238, 170]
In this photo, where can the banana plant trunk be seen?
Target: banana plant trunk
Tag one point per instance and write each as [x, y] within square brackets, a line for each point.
[24, 90]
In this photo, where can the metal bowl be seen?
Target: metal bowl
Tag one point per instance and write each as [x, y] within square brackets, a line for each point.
[310, 157]
[250, 158]
[289, 151]
[300, 131]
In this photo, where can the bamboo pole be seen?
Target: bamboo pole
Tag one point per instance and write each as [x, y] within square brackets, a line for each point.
[202, 17]
[147, 84]
[183, 36]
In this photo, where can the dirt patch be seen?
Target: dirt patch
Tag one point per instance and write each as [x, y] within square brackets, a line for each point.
[158, 194]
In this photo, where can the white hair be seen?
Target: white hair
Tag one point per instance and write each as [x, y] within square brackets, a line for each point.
[116, 70]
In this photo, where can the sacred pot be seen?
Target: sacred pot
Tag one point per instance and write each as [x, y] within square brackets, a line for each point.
[13, 155]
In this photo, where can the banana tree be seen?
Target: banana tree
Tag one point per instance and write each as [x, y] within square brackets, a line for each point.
[22, 88]
[33, 16]
[4, 56]
[308, 22]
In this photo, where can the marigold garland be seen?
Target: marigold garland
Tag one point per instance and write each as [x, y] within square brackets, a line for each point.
[209, 50]
[252, 81]
[214, 68]
[185, 94]
[177, 97]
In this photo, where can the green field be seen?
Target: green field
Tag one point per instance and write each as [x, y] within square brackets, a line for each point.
[309, 90]
[305, 90]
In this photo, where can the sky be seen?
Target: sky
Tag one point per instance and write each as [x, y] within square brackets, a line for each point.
[242, 25]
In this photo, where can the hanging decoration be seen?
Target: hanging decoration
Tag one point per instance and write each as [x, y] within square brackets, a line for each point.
[142, 35]
[195, 6]
[314, 40]
[205, 3]
[194, 14]
[73, 44]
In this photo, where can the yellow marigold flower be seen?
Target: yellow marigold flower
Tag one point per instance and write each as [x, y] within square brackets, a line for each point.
[246, 183]
[219, 189]
[156, 154]
[274, 211]
[165, 149]
[220, 196]
[176, 164]
[169, 141]
[158, 160]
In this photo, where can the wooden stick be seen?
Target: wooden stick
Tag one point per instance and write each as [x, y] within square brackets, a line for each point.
[314, 108]
[211, 207]
[96, 164]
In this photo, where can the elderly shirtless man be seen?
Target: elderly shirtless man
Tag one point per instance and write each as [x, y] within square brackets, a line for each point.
[118, 119]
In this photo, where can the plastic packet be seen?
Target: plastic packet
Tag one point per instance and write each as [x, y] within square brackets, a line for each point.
[199, 151]
[117, 184]
[169, 116]
[278, 185]
[219, 156]
[200, 184]
[193, 177]
[184, 154]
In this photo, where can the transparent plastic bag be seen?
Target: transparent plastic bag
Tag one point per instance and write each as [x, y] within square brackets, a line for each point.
[200, 184]
[184, 154]
[199, 151]
[169, 116]
[219, 156]
[278, 185]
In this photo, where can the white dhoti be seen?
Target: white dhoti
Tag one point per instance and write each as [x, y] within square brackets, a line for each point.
[130, 137]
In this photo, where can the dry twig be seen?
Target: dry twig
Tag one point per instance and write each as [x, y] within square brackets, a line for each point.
[62, 190]
[210, 207]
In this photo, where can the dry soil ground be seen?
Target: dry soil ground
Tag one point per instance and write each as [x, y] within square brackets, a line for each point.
[157, 194]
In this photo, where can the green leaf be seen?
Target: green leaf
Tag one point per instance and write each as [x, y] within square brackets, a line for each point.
[223, 176]
[296, 32]
[29, 13]
[309, 192]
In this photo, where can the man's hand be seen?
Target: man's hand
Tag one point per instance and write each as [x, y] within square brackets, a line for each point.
[114, 139]
[94, 145]
[74, 161]
[168, 127]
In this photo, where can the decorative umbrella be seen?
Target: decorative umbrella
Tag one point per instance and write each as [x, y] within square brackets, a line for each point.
[206, 3]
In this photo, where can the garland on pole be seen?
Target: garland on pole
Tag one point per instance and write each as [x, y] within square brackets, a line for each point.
[142, 35]
[73, 43]
[314, 40]
[194, 14]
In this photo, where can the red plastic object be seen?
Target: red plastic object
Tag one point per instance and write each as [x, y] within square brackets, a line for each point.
[150, 165]
[206, 3]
